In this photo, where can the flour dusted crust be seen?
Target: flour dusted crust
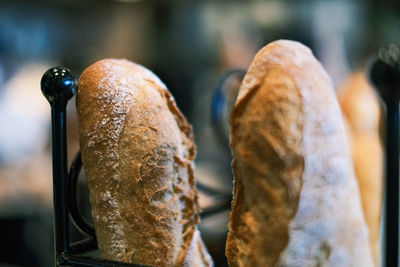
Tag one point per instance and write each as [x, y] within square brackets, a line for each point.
[361, 108]
[296, 200]
[138, 151]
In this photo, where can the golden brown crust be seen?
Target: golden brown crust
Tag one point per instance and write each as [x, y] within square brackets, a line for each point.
[261, 194]
[361, 108]
[296, 202]
[138, 152]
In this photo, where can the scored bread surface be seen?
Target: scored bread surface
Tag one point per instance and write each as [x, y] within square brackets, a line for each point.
[137, 152]
[296, 201]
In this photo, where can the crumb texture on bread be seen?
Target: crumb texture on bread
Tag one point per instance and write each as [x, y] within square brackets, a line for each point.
[138, 151]
[296, 201]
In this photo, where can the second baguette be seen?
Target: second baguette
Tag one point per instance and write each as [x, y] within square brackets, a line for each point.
[296, 200]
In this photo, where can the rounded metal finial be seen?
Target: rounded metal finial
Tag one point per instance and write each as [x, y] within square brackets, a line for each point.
[385, 73]
[58, 84]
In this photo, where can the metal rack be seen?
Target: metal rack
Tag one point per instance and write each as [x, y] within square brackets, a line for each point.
[59, 86]
[384, 74]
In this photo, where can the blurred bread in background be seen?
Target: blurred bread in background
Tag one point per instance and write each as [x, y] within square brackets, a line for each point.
[25, 161]
[362, 111]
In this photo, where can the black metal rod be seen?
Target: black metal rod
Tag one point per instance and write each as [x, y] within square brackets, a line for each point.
[91, 262]
[58, 85]
[60, 181]
[391, 186]
[220, 206]
[210, 191]
[76, 215]
[83, 246]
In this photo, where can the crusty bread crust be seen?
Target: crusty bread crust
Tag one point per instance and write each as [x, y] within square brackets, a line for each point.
[296, 201]
[361, 108]
[138, 151]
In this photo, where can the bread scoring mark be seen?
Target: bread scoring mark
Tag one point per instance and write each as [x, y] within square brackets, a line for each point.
[183, 178]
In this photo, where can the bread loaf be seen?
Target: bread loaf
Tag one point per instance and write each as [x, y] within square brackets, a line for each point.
[296, 200]
[137, 152]
[361, 108]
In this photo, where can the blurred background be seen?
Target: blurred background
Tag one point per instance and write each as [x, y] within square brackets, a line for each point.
[190, 45]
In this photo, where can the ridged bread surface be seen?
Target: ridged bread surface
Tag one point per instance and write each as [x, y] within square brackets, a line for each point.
[138, 151]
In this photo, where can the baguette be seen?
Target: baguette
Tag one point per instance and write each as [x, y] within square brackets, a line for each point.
[361, 108]
[296, 200]
[137, 152]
